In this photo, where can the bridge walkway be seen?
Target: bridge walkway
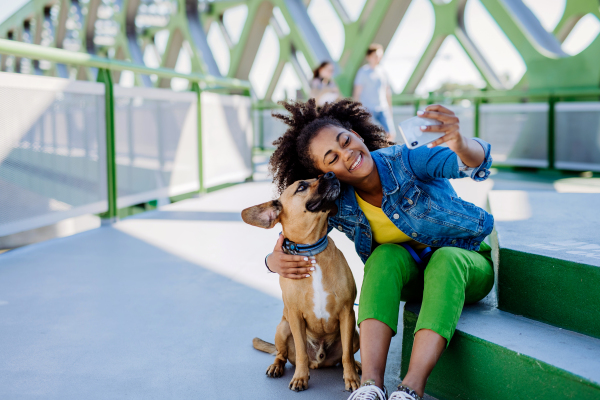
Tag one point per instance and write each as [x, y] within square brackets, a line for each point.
[160, 305]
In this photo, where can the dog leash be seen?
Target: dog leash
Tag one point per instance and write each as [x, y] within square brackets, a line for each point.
[422, 258]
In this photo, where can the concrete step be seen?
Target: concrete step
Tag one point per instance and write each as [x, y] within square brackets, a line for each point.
[549, 257]
[498, 355]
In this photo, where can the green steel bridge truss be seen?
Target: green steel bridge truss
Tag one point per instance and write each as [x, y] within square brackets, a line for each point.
[123, 30]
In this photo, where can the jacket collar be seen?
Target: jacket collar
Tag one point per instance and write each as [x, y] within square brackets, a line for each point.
[386, 173]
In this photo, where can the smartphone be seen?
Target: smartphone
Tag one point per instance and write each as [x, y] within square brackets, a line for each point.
[413, 135]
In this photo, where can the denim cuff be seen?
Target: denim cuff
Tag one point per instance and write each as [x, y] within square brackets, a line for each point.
[482, 172]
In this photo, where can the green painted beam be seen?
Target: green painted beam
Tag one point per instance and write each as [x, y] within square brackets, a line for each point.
[548, 67]
[378, 21]
[574, 11]
[359, 35]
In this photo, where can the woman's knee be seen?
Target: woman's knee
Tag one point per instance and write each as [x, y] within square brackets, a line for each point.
[446, 260]
[388, 256]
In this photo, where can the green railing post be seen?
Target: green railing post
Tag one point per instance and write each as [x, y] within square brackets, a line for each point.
[261, 127]
[196, 88]
[430, 98]
[248, 93]
[476, 102]
[551, 131]
[104, 77]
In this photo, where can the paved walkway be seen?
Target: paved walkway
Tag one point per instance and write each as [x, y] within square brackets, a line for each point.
[162, 305]
[158, 306]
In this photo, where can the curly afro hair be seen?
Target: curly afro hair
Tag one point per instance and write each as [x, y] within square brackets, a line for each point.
[291, 160]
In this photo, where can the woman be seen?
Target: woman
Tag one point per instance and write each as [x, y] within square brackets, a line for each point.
[322, 87]
[394, 197]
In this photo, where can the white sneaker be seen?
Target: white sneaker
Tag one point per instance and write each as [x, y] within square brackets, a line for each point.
[369, 391]
[405, 393]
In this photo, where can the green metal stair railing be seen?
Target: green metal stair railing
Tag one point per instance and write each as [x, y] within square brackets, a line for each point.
[106, 67]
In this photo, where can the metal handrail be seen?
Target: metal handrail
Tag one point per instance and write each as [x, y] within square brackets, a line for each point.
[411, 98]
[200, 82]
[399, 99]
[38, 52]
[550, 96]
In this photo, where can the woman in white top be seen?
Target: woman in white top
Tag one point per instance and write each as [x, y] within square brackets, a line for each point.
[322, 86]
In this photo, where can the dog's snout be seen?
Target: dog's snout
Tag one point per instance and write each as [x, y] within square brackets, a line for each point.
[329, 175]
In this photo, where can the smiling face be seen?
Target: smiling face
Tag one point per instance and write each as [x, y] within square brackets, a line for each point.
[342, 152]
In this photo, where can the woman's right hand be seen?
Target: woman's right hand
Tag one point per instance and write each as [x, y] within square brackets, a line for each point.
[287, 265]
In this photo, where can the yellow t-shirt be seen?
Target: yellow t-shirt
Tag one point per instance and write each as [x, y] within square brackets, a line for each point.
[384, 230]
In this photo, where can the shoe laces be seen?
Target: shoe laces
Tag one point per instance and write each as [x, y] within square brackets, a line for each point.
[401, 396]
[368, 391]
[405, 393]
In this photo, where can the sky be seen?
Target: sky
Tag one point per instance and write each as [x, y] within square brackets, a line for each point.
[451, 64]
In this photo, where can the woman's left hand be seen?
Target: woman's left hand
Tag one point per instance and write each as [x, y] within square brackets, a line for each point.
[450, 125]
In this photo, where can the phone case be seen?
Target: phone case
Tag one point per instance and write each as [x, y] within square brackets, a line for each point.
[413, 135]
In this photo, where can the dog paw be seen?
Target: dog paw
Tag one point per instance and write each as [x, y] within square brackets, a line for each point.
[351, 381]
[299, 384]
[358, 367]
[275, 370]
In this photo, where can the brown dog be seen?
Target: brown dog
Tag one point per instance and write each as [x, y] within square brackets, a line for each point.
[318, 328]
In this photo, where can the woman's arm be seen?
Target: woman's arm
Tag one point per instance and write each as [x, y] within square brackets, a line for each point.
[287, 265]
[444, 162]
[470, 152]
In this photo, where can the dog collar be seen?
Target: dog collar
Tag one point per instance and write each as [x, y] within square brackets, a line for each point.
[305, 249]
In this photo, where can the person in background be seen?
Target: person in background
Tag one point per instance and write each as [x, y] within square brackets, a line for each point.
[372, 89]
[322, 87]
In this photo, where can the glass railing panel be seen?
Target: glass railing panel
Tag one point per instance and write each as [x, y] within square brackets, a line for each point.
[227, 138]
[273, 128]
[465, 111]
[52, 151]
[156, 134]
[518, 133]
[577, 136]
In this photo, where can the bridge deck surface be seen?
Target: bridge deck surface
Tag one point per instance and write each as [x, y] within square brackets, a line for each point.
[161, 305]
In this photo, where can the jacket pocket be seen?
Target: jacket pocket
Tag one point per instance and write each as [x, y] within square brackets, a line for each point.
[465, 217]
[415, 202]
[456, 215]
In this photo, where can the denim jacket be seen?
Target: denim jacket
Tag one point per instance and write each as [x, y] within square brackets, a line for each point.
[419, 200]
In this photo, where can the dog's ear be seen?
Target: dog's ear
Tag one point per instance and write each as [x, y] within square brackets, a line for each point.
[264, 215]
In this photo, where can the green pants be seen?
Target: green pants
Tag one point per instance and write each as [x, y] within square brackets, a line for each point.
[452, 278]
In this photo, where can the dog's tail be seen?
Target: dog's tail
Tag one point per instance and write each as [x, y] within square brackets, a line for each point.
[261, 345]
